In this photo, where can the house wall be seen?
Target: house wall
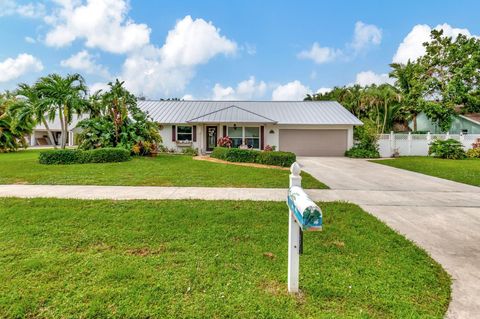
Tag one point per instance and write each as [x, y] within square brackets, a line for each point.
[271, 139]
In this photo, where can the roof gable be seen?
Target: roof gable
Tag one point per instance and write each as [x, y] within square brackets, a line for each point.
[231, 114]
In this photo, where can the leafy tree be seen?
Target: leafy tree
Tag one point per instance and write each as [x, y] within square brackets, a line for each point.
[28, 105]
[66, 95]
[116, 121]
[13, 128]
[450, 77]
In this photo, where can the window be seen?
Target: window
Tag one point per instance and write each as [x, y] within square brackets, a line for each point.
[252, 137]
[249, 136]
[236, 134]
[184, 133]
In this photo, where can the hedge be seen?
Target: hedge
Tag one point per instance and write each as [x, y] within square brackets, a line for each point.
[252, 156]
[101, 155]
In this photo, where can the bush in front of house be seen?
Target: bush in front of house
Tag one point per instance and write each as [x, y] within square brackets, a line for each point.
[253, 156]
[284, 159]
[366, 144]
[448, 149]
[474, 152]
[190, 151]
[101, 155]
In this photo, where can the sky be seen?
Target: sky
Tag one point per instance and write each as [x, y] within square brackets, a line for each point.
[221, 50]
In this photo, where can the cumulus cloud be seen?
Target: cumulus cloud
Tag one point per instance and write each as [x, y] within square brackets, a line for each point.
[188, 97]
[365, 35]
[292, 91]
[98, 86]
[28, 10]
[370, 77]
[245, 90]
[30, 40]
[323, 90]
[84, 61]
[167, 70]
[13, 68]
[412, 48]
[319, 54]
[102, 24]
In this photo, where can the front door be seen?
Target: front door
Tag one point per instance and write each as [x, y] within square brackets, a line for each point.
[211, 138]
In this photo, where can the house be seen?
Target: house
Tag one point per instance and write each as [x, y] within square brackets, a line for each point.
[39, 136]
[307, 128]
[465, 124]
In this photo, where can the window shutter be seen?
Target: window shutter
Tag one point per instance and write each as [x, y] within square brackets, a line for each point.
[194, 133]
[224, 130]
[174, 133]
[262, 137]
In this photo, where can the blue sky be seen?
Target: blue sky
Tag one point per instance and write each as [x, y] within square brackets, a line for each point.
[221, 49]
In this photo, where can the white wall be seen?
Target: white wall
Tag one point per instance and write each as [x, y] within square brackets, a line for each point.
[166, 134]
[417, 144]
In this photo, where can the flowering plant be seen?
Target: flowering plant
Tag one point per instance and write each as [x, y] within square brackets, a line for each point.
[225, 142]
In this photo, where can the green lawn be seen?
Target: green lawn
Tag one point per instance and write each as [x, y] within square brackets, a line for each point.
[206, 259]
[464, 171]
[165, 170]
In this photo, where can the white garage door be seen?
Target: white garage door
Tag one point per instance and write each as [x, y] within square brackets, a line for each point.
[314, 142]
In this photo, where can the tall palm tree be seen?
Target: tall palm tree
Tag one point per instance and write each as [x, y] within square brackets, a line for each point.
[67, 95]
[390, 97]
[28, 104]
[12, 128]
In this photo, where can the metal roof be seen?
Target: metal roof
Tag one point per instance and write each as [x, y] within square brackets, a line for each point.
[231, 114]
[281, 112]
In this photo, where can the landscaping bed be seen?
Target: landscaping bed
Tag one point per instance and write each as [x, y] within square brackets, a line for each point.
[163, 170]
[464, 171]
[206, 259]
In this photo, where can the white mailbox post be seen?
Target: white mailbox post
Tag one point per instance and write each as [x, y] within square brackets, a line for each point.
[304, 215]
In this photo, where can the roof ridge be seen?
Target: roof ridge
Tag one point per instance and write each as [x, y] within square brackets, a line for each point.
[233, 101]
[225, 108]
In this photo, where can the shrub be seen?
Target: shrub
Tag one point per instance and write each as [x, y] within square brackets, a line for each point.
[284, 159]
[101, 155]
[190, 151]
[254, 156]
[366, 145]
[225, 141]
[450, 149]
[474, 153]
[269, 148]
[358, 152]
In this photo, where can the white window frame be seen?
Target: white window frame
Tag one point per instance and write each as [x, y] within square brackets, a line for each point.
[191, 133]
[244, 137]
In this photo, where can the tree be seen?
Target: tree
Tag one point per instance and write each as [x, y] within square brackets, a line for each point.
[117, 121]
[67, 95]
[12, 128]
[28, 104]
[450, 77]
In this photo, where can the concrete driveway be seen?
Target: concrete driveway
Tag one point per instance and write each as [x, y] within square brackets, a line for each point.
[439, 215]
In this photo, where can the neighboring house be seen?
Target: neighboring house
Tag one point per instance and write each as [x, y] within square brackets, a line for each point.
[309, 128]
[40, 137]
[466, 124]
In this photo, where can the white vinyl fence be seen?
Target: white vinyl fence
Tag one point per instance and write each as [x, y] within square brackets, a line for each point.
[417, 144]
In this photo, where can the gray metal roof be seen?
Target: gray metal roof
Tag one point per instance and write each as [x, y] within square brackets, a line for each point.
[281, 112]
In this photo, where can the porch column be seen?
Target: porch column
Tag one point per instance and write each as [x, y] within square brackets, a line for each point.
[33, 141]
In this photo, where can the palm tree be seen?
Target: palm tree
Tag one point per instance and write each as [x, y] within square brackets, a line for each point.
[65, 94]
[28, 104]
[12, 128]
[390, 97]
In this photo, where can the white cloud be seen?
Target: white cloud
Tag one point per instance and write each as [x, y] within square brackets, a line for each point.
[412, 48]
[319, 54]
[13, 68]
[323, 90]
[98, 86]
[30, 40]
[28, 10]
[188, 97]
[167, 70]
[370, 77]
[245, 90]
[101, 23]
[292, 91]
[365, 35]
[84, 61]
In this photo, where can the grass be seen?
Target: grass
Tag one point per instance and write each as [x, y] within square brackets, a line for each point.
[201, 259]
[464, 171]
[165, 170]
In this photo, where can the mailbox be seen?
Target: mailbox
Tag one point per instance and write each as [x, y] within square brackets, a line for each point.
[307, 214]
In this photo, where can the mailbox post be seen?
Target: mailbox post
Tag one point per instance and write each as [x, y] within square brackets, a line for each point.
[304, 215]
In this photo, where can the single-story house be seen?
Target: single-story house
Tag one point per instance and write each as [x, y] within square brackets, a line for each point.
[40, 137]
[307, 128]
[463, 123]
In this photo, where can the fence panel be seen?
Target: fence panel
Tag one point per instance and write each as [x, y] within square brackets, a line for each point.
[417, 144]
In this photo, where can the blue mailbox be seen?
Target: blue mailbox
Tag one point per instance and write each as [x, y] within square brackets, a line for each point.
[307, 214]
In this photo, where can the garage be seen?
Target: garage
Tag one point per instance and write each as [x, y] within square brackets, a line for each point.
[314, 142]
